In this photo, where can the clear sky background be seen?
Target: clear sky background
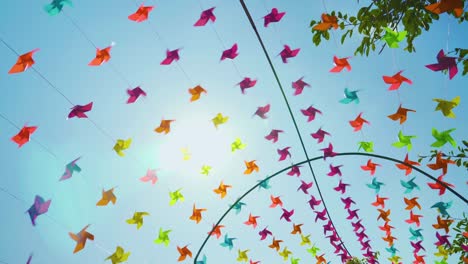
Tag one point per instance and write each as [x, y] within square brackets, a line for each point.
[63, 59]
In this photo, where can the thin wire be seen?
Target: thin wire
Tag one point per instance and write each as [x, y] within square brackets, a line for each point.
[160, 38]
[290, 112]
[64, 227]
[221, 41]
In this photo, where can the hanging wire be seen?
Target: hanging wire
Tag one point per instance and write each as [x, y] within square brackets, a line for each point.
[221, 42]
[291, 114]
[53, 195]
[160, 39]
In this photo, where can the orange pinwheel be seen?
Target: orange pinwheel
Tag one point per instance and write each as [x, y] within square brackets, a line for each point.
[328, 22]
[102, 55]
[401, 114]
[384, 215]
[444, 224]
[216, 231]
[81, 238]
[24, 62]
[275, 244]
[396, 81]
[184, 252]
[387, 228]
[380, 201]
[407, 169]
[320, 259]
[196, 214]
[196, 92]
[358, 122]
[275, 201]
[164, 127]
[439, 186]
[252, 220]
[222, 189]
[107, 196]
[340, 64]
[24, 135]
[411, 203]
[251, 166]
[441, 163]
[296, 229]
[414, 218]
[446, 6]
[141, 14]
[370, 166]
[389, 238]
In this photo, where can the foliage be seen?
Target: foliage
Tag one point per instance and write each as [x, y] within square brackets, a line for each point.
[370, 21]
[459, 158]
[461, 238]
[356, 260]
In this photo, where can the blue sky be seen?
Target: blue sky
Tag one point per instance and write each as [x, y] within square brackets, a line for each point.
[63, 59]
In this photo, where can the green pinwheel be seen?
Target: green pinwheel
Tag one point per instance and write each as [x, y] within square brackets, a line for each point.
[367, 146]
[403, 141]
[176, 196]
[205, 170]
[443, 137]
[393, 37]
[163, 237]
[237, 145]
[313, 250]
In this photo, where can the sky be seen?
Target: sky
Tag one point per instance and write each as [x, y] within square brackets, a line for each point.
[66, 47]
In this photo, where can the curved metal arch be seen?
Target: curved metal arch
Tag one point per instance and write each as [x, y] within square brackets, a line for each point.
[317, 158]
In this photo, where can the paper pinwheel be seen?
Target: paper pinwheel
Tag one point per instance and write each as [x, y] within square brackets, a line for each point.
[393, 37]
[122, 145]
[24, 62]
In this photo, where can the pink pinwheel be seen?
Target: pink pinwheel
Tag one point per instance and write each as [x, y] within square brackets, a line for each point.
[295, 171]
[287, 53]
[320, 135]
[334, 170]
[230, 53]
[205, 16]
[305, 186]
[150, 177]
[246, 83]
[273, 136]
[171, 55]
[134, 94]
[284, 153]
[299, 86]
[445, 63]
[310, 113]
[80, 110]
[273, 16]
[262, 111]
